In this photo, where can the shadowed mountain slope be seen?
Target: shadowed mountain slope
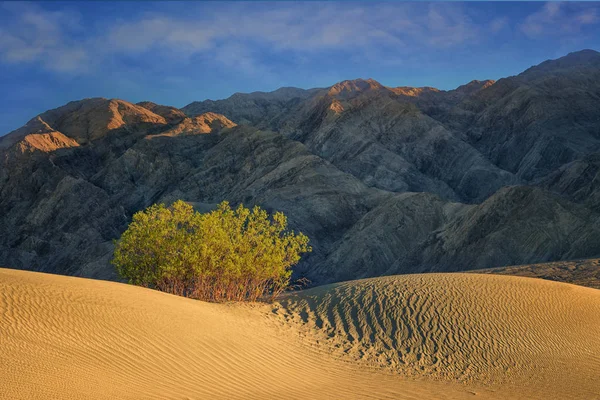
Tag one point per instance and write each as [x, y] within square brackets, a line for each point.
[252, 108]
[418, 232]
[537, 121]
[171, 114]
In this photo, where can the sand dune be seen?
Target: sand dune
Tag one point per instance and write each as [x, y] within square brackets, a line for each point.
[467, 327]
[406, 337]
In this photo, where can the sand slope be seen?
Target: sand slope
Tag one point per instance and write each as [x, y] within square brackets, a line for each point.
[501, 330]
[72, 338]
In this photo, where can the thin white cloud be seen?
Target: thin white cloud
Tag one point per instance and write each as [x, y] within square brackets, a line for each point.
[159, 32]
[555, 18]
[42, 37]
[588, 17]
[369, 31]
[498, 24]
[239, 57]
[449, 26]
[291, 27]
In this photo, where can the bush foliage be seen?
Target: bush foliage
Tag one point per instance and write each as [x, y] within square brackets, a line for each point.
[225, 254]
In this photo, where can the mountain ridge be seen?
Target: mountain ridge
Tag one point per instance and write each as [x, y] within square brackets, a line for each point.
[383, 180]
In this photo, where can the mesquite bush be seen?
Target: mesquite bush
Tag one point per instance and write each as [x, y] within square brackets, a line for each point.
[227, 254]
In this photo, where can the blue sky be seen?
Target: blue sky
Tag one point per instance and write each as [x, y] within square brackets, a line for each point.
[177, 52]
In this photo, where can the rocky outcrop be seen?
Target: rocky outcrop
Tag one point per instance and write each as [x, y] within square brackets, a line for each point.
[45, 142]
[256, 108]
[202, 124]
[416, 92]
[37, 135]
[352, 88]
[473, 87]
[170, 114]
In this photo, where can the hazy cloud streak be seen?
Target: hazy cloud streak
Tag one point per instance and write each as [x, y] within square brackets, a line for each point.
[239, 35]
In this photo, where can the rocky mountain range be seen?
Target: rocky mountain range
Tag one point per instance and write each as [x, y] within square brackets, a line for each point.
[383, 180]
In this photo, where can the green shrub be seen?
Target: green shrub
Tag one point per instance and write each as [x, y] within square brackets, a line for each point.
[225, 254]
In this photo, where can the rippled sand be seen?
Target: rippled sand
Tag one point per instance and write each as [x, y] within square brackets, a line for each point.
[446, 336]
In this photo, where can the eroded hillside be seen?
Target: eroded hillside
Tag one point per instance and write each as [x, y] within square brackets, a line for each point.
[383, 180]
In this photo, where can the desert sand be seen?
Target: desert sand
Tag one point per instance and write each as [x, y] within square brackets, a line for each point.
[442, 336]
